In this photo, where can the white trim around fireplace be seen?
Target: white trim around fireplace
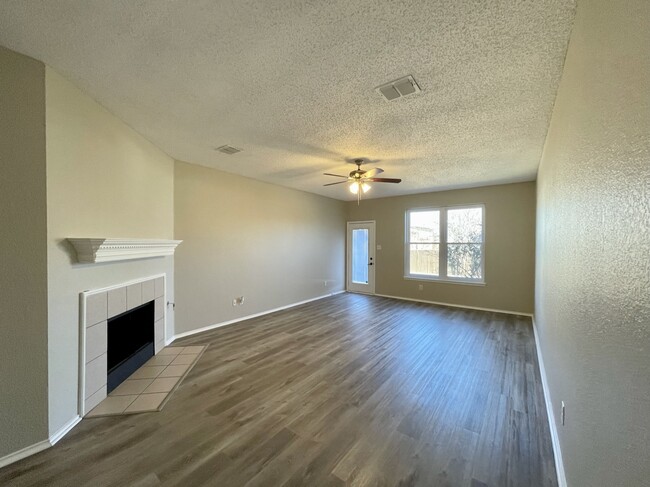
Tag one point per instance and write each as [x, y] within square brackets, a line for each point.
[127, 295]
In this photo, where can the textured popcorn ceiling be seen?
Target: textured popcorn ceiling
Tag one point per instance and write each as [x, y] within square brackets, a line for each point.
[292, 83]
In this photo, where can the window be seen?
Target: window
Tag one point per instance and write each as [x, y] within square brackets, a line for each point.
[445, 244]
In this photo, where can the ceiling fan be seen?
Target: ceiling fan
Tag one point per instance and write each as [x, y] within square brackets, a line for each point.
[359, 179]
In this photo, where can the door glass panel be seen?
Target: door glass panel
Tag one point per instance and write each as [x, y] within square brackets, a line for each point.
[360, 256]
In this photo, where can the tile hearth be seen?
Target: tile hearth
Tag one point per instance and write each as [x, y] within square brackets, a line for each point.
[149, 387]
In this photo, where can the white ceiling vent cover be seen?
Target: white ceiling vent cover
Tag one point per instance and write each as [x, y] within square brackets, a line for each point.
[228, 149]
[399, 88]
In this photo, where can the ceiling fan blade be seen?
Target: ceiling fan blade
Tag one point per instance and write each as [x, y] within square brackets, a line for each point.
[335, 175]
[372, 172]
[338, 182]
[383, 180]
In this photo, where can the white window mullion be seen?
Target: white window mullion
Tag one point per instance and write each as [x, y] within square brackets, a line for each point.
[443, 244]
[407, 244]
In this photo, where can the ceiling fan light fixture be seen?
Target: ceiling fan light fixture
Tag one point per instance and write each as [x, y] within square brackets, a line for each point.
[359, 179]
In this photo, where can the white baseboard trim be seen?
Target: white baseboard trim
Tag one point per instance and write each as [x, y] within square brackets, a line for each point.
[248, 317]
[456, 305]
[24, 453]
[64, 430]
[557, 451]
[41, 445]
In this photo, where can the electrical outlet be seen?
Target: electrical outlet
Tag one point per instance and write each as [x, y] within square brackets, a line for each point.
[234, 302]
[325, 283]
[238, 301]
[420, 287]
[563, 413]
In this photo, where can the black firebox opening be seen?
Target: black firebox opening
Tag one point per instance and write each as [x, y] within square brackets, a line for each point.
[130, 343]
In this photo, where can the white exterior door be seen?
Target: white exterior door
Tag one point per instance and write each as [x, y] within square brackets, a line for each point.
[361, 257]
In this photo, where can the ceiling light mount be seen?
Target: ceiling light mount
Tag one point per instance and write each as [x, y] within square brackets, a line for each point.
[399, 88]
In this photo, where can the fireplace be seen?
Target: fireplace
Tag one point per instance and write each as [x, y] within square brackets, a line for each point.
[130, 343]
[121, 327]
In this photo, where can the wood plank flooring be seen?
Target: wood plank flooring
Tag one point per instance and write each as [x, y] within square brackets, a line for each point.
[349, 390]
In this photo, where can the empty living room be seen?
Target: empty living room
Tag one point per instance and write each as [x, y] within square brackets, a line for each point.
[348, 243]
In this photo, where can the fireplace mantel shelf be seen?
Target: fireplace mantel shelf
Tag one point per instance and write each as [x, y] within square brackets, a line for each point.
[96, 250]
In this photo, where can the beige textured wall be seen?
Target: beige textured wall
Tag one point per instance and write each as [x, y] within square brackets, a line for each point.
[272, 245]
[509, 246]
[592, 303]
[103, 180]
[23, 266]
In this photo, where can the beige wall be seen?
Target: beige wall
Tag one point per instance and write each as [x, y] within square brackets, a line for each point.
[509, 246]
[103, 180]
[592, 303]
[272, 245]
[23, 266]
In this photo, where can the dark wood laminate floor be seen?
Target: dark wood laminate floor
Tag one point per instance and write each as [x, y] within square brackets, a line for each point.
[349, 390]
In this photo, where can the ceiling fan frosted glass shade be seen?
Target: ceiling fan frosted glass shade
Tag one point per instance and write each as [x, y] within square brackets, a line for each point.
[354, 187]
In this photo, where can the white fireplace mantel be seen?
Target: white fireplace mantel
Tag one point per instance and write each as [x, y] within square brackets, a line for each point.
[95, 250]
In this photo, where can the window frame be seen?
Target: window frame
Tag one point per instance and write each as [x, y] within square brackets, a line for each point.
[442, 255]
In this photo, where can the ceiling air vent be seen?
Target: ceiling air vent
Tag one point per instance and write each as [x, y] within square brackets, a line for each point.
[228, 149]
[399, 88]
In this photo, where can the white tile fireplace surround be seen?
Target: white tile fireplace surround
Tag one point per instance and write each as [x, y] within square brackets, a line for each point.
[97, 307]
